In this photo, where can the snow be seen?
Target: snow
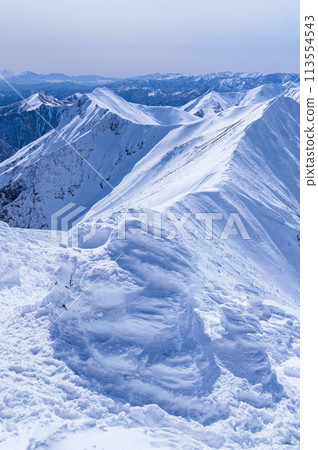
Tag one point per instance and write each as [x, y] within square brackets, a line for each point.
[165, 343]
[212, 103]
[26, 120]
[37, 100]
[140, 114]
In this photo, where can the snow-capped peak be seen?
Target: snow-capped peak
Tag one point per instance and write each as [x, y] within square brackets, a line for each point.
[38, 99]
[139, 114]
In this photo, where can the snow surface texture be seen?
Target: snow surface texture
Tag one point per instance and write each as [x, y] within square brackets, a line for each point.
[182, 343]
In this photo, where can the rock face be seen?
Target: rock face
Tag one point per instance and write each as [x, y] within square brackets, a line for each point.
[27, 120]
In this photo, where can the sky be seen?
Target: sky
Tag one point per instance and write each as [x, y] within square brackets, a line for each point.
[119, 38]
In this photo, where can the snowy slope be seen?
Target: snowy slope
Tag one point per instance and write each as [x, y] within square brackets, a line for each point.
[170, 340]
[214, 102]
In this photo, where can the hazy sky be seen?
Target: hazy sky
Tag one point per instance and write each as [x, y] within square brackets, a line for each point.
[133, 37]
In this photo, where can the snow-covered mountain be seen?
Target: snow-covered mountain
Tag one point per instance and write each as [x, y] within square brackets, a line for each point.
[173, 336]
[29, 119]
[112, 135]
[101, 129]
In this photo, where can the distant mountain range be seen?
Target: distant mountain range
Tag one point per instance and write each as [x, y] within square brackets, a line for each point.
[154, 89]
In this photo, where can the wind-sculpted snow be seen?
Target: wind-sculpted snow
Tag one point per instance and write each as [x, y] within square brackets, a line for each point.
[171, 336]
[145, 336]
[142, 340]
